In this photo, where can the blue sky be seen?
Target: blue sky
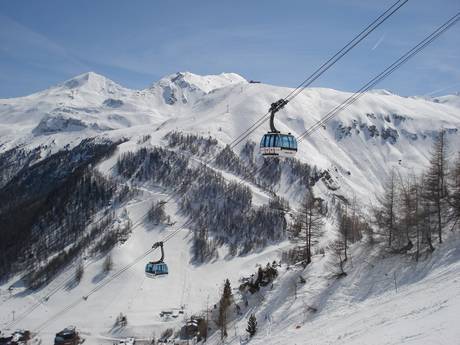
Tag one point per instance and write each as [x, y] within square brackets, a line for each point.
[280, 42]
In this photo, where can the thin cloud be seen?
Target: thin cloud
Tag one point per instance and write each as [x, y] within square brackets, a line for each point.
[449, 87]
[22, 43]
[378, 42]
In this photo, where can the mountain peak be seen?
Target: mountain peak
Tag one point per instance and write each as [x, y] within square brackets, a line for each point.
[85, 78]
[90, 82]
[204, 83]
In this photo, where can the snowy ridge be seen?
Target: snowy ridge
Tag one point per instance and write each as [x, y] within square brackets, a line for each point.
[92, 82]
[453, 100]
[205, 83]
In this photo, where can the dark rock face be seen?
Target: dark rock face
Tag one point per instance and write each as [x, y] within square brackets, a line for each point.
[169, 96]
[397, 119]
[55, 124]
[409, 135]
[113, 103]
[342, 132]
[390, 134]
[370, 130]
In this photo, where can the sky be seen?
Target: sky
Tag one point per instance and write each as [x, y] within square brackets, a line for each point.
[135, 43]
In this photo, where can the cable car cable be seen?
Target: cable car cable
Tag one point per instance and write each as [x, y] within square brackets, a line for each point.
[350, 45]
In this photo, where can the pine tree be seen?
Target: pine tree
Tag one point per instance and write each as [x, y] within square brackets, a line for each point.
[107, 264]
[260, 276]
[157, 214]
[227, 295]
[252, 325]
[79, 271]
[225, 301]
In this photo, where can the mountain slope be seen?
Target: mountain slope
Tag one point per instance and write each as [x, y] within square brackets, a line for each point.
[379, 132]
[357, 149]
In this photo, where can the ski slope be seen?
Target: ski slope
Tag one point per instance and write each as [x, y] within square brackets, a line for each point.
[367, 307]
[139, 297]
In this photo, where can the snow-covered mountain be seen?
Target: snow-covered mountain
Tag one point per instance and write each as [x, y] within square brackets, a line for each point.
[358, 148]
[377, 133]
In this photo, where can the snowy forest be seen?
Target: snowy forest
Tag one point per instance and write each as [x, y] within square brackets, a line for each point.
[222, 211]
[50, 205]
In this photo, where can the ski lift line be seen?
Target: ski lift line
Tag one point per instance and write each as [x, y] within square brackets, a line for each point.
[325, 66]
[350, 45]
[343, 106]
[389, 70]
[444, 27]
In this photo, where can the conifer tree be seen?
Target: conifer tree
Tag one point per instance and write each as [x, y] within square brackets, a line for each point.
[79, 271]
[224, 303]
[252, 325]
[107, 265]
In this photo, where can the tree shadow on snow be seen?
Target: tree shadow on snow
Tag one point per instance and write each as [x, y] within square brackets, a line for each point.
[72, 284]
[100, 276]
